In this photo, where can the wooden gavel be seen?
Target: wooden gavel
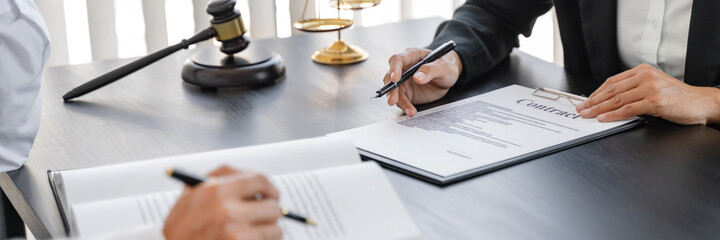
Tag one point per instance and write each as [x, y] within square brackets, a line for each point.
[226, 26]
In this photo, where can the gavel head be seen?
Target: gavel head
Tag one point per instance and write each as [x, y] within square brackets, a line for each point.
[229, 26]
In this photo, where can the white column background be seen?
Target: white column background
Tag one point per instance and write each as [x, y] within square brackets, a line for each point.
[99, 29]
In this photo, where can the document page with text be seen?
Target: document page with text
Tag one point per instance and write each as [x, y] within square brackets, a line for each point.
[138, 194]
[505, 124]
[347, 202]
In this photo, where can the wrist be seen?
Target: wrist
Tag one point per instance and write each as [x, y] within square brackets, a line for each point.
[455, 59]
[713, 114]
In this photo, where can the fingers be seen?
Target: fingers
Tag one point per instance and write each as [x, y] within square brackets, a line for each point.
[430, 71]
[626, 111]
[405, 59]
[247, 185]
[226, 207]
[610, 91]
[398, 63]
[399, 97]
[614, 79]
[442, 73]
[243, 184]
[393, 94]
[254, 211]
[241, 231]
[634, 92]
[405, 104]
[223, 171]
[617, 101]
[270, 231]
[393, 97]
[631, 73]
[411, 56]
[429, 83]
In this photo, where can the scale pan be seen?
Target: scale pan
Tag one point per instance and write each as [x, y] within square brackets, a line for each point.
[322, 24]
[354, 4]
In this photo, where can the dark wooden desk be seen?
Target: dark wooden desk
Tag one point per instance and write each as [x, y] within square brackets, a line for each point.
[656, 182]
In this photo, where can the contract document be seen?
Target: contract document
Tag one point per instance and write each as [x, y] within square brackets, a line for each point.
[479, 134]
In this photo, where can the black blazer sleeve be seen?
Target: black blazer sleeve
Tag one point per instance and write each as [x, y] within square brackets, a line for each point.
[485, 31]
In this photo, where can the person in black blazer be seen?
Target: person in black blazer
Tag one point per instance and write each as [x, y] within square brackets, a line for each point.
[486, 31]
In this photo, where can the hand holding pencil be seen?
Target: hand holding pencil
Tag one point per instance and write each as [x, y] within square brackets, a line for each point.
[226, 207]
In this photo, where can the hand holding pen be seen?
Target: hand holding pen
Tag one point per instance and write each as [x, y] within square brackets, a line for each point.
[430, 79]
[226, 207]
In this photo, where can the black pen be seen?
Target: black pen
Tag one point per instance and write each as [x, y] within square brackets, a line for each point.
[435, 54]
[192, 180]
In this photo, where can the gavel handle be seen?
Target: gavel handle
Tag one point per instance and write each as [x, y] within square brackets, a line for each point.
[123, 71]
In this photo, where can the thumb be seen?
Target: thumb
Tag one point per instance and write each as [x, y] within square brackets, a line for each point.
[430, 71]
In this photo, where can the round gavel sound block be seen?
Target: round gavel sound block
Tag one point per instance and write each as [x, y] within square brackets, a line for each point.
[211, 68]
[236, 64]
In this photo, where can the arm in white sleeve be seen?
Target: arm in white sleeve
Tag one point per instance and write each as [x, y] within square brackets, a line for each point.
[24, 49]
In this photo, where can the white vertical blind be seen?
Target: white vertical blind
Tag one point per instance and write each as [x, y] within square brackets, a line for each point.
[263, 21]
[179, 25]
[78, 34]
[156, 36]
[130, 28]
[167, 21]
[283, 23]
[406, 9]
[103, 34]
[202, 19]
[54, 14]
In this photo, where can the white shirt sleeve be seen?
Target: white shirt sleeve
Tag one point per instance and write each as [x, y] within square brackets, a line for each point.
[24, 49]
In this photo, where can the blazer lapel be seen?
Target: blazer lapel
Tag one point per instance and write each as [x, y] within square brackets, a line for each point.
[702, 61]
[599, 24]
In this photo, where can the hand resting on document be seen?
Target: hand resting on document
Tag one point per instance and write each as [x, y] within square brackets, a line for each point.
[647, 90]
[226, 208]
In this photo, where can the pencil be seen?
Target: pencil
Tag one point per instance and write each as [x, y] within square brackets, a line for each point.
[296, 217]
[192, 180]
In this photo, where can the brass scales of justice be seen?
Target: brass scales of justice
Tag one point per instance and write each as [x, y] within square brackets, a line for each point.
[339, 52]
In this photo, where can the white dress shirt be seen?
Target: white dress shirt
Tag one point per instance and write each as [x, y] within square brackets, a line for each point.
[654, 32]
[24, 48]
